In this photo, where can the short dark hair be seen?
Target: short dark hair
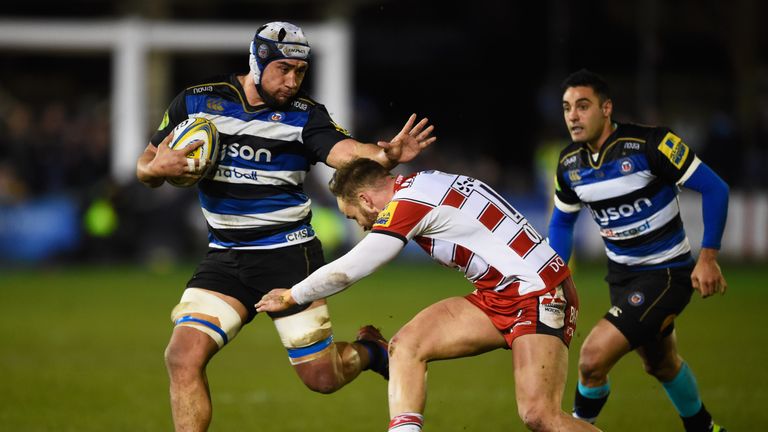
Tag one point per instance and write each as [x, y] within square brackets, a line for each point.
[586, 78]
[356, 175]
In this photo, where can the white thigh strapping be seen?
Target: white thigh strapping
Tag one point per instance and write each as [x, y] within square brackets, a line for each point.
[209, 314]
[304, 328]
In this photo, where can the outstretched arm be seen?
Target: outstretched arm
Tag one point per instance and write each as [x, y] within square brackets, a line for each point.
[406, 145]
[707, 277]
[371, 253]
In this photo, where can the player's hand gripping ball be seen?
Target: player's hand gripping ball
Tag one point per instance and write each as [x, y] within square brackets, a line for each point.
[189, 132]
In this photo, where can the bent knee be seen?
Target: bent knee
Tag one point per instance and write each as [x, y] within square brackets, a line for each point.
[591, 365]
[405, 348]
[321, 380]
[664, 371]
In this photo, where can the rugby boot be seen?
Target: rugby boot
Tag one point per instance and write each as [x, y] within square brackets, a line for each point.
[378, 349]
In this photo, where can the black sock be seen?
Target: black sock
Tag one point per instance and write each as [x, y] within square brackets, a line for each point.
[699, 422]
[588, 408]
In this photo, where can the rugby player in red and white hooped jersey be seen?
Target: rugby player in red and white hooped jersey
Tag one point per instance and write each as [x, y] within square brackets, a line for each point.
[524, 298]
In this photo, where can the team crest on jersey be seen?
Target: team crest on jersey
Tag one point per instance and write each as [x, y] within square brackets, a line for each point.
[385, 216]
[626, 166]
[277, 116]
[673, 147]
[636, 298]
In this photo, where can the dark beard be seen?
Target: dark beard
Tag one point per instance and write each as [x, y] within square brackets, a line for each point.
[271, 101]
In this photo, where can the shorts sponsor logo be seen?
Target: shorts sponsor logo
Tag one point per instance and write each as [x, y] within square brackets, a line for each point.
[673, 147]
[615, 311]
[626, 166]
[277, 116]
[552, 309]
[636, 298]
[385, 216]
[573, 315]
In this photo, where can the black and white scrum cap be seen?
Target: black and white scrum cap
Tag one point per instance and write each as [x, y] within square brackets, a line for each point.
[274, 41]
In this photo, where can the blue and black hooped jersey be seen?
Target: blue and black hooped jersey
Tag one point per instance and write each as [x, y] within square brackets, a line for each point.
[254, 197]
[630, 188]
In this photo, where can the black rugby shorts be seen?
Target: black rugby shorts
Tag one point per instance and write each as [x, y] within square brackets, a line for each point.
[249, 274]
[645, 303]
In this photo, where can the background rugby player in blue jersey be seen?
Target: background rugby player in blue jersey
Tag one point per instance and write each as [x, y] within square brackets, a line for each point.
[258, 218]
[628, 176]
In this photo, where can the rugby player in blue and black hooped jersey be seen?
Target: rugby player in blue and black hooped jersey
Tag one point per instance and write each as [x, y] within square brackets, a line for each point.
[258, 218]
[628, 176]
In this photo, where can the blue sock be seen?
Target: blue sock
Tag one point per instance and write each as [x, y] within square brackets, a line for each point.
[594, 392]
[684, 392]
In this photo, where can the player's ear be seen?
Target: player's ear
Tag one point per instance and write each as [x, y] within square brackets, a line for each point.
[607, 108]
[365, 200]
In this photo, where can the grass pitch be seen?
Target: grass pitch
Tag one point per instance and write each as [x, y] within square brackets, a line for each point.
[82, 350]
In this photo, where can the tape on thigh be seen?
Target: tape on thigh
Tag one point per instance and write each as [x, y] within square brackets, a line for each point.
[307, 335]
[209, 314]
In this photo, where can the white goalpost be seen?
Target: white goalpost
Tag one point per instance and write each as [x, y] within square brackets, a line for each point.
[130, 40]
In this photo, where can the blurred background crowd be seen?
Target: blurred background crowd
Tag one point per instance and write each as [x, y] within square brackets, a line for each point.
[487, 75]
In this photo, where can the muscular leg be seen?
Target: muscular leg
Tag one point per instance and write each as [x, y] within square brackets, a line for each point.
[322, 366]
[342, 363]
[660, 358]
[448, 329]
[541, 366]
[602, 349]
[186, 357]
[662, 361]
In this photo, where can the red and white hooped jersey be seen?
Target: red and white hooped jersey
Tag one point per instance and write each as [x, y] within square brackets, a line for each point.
[464, 224]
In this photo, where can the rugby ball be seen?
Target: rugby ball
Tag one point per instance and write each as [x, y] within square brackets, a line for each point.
[188, 132]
